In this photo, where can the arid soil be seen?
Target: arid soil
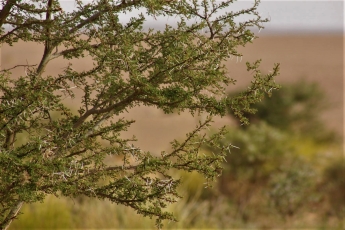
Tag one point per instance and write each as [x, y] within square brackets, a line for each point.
[316, 58]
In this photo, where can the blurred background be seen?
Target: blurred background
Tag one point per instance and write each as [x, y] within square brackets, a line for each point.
[289, 170]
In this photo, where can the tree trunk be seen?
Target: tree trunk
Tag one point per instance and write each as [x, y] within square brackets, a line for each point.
[13, 213]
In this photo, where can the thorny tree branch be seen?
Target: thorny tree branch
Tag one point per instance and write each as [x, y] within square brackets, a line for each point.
[174, 70]
[4, 70]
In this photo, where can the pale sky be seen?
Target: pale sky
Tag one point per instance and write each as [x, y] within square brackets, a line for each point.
[286, 16]
[304, 16]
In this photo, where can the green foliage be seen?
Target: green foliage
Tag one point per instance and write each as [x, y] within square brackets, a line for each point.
[280, 166]
[243, 102]
[260, 152]
[176, 69]
[291, 188]
[271, 173]
[294, 107]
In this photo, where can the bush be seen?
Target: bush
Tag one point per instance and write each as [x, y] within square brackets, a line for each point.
[261, 154]
[295, 108]
[333, 186]
[292, 188]
[279, 159]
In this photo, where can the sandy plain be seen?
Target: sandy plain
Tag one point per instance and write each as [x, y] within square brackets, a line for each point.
[316, 58]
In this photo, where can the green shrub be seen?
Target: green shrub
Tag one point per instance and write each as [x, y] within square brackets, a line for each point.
[291, 188]
[294, 107]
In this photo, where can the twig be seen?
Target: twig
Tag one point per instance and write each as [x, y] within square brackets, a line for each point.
[17, 66]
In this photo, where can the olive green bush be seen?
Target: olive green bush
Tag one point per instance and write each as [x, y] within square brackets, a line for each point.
[295, 107]
[292, 187]
[279, 169]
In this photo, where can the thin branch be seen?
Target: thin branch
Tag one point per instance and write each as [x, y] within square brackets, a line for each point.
[17, 66]
[47, 46]
[108, 109]
[94, 17]
[37, 11]
[190, 136]
[67, 51]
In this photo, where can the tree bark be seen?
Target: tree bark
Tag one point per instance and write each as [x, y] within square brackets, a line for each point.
[13, 213]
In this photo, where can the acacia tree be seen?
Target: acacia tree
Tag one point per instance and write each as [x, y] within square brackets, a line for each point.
[178, 68]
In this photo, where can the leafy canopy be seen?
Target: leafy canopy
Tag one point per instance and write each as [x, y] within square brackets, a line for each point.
[178, 68]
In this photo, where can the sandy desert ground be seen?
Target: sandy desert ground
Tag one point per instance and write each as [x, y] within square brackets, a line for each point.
[317, 58]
